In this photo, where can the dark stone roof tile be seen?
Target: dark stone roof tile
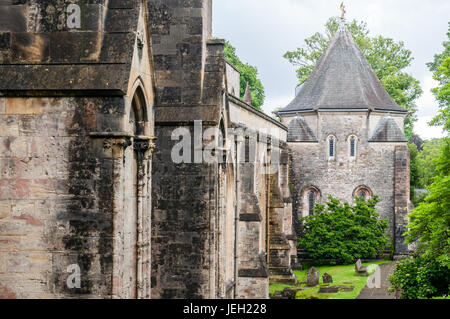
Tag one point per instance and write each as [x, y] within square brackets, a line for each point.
[342, 79]
[299, 131]
[387, 131]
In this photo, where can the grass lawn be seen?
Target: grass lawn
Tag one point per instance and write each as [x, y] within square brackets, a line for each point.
[342, 275]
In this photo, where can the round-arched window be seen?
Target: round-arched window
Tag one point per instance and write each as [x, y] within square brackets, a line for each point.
[363, 192]
[352, 144]
[331, 147]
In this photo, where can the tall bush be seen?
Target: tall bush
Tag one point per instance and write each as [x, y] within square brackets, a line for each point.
[339, 233]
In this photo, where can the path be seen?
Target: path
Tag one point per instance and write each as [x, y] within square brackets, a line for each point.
[380, 293]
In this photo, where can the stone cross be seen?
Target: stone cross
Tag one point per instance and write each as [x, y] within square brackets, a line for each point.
[343, 11]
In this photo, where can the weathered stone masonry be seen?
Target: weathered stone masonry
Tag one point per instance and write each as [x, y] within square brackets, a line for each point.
[210, 220]
[87, 177]
[76, 114]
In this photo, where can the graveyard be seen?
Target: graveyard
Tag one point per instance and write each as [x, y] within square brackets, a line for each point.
[345, 280]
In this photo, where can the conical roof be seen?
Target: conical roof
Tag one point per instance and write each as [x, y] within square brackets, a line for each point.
[342, 79]
[299, 131]
[387, 131]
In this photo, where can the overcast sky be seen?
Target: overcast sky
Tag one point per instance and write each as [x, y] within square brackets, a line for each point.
[263, 30]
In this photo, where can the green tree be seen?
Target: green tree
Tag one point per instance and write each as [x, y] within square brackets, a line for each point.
[414, 170]
[428, 274]
[341, 233]
[430, 221]
[249, 74]
[425, 161]
[387, 58]
[441, 68]
[441, 73]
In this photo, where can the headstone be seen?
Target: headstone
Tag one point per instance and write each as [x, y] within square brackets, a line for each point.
[374, 281]
[327, 279]
[313, 277]
[289, 293]
[346, 288]
[360, 270]
[328, 290]
[277, 295]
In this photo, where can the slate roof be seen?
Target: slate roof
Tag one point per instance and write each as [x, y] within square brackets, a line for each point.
[387, 130]
[39, 52]
[299, 131]
[342, 79]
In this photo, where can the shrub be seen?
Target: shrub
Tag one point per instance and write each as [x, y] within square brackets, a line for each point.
[419, 278]
[339, 233]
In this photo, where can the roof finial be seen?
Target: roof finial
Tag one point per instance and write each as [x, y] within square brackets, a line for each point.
[343, 11]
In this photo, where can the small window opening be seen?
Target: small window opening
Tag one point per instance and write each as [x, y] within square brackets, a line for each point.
[311, 201]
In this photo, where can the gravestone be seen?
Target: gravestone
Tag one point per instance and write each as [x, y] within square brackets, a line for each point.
[346, 288]
[277, 295]
[328, 290]
[374, 281]
[313, 277]
[327, 279]
[360, 270]
[289, 293]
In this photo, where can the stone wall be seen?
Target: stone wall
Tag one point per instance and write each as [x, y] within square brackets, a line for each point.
[76, 136]
[187, 214]
[401, 198]
[55, 195]
[79, 184]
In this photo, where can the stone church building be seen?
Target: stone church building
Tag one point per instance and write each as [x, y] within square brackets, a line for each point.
[346, 135]
[99, 100]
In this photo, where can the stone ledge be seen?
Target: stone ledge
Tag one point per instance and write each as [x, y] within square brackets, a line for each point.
[250, 218]
[257, 273]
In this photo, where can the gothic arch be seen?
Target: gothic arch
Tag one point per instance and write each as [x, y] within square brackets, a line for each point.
[139, 110]
[133, 219]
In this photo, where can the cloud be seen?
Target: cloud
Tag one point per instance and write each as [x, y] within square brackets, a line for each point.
[427, 104]
[425, 131]
[263, 30]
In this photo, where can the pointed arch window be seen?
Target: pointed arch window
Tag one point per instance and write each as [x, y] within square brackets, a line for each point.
[331, 147]
[310, 197]
[311, 202]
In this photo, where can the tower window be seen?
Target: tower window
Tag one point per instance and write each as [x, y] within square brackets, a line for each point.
[352, 146]
[311, 201]
[362, 195]
[362, 192]
[331, 147]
